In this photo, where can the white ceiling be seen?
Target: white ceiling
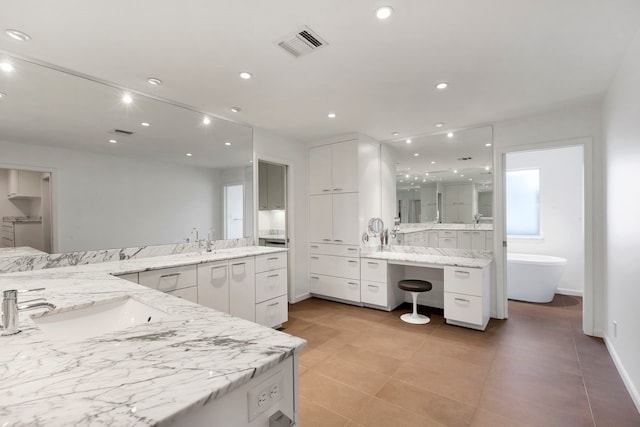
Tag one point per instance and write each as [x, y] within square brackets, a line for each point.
[502, 57]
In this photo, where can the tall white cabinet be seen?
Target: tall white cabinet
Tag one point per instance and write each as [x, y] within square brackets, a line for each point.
[345, 191]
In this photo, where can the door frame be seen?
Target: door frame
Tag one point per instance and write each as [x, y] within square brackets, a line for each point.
[500, 226]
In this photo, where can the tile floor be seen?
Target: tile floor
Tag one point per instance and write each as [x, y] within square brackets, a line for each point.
[366, 367]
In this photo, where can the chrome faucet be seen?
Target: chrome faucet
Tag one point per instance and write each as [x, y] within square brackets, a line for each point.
[209, 238]
[10, 309]
[476, 218]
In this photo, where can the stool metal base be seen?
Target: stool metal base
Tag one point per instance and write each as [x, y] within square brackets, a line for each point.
[416, 319]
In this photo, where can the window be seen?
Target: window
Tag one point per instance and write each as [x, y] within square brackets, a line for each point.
[523, 202]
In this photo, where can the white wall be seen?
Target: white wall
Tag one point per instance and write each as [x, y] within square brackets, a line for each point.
[273, 147]
[102, 201]
[622, 134]
[561, 211]
[10, 207]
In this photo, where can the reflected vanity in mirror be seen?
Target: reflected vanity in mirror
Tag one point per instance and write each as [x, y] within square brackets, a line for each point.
[444, 189]
[123, 169]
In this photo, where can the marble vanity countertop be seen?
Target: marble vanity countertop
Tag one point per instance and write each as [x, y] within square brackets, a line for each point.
[413, 228]
[149, 374]
[21, 219]
[273, 236]
[434, 256]
[19, 251]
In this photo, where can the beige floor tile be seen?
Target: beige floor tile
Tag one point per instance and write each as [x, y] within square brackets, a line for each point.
[314, 415]
[332, 395]
[379, 413]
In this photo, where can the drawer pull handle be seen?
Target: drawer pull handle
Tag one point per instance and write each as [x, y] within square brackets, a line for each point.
[372, 263]
[462, 300]
[373, 286]
[275, 258]
[315, 257]
[352, 261]
[326, 189]
[220, 266]
[352, 283]
[238, 263]
[338, 240]
[466, 273]
[326, 240]
[273, 304]
[337, 189]
[273, 275]
[315, 277]
[314, 246]
[170, 275]
[352, 249]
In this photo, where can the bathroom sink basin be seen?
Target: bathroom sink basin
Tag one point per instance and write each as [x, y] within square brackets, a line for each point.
[98, 319]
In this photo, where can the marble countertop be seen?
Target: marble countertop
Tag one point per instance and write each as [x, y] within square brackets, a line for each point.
[272, 236]
[149, 374]
[19, 251]
[433, 256]
[413, 228]
[21, 219]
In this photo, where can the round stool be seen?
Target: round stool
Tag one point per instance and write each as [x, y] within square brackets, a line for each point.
[415, 287]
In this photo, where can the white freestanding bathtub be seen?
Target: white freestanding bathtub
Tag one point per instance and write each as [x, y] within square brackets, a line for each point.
[533, 278]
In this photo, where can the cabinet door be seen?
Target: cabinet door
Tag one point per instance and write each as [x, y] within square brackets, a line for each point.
[14, 186]
[263, 199]
[29, 234]
[344, 156]
[190, 294]
[451, 195]
[465, 193]
[320, 170]
[213, 285]
[321, 218]
[346, 219]
[24, 183]
[275, 186]
[242, 288]
[464, 239]
[433, 239]
[478, 241]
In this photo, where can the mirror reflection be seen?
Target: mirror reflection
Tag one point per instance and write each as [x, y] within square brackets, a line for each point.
[445, 178]
[121, 169]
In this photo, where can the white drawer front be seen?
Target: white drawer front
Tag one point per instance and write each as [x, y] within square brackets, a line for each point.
[190, 294]
[335, 266]
[335, 287]
[373, 293]
[8, 227]
[271, 284]
[447, 233]
[463, 308]
[131, 277]
[272, 312]
[373, 270]
[213, 285]
[463, 280]
[7, 241]
[271, 262]
[170, 279]
[447, 242]
[335, 250]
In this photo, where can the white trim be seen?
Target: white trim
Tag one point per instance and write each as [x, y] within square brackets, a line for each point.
[571, 292]
[298, 298]
[588, 303]
[626, 379]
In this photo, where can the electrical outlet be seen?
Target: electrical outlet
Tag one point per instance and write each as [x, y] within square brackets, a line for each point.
[615, 329]
[265, 395]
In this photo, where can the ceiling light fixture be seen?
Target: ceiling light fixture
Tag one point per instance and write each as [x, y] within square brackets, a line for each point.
[127, 99]
[461, 176]
[206, 120]
[7, 67]
[406, 176]
[439, 124]
[408, 141]
[145, 124]
[455, 171]
[113, 141]
[470, 179]
[488, 144]
[2, 94]
[384, 12]
[235, 109]
[154, 81]
[331, 115]
[227, 143]
[395, 133]
[424, 180]
[433, 162]
[416, 154]
[487, 168]
[245, 75]
[426, 173]
[18, 35]
[442, 85]
[450, 135]
[189, 154]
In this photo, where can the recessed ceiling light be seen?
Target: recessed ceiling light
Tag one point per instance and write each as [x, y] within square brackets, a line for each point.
[406, 176]
[487, 168]
[488, 144]
[189, 154]
[227, 143]
[426, 173]
[383, 12]
[450, 134]
[18, 35]
[395, 133]
[154, 82]
[461, 176]
[235, 109]
[415, 178]
[113, 141]
[470, 179]
[433, 162]
[145, 124]
[455, 171]
[245, 75]
[331, 115]
[416, 154]
[439, 124]
[2, 94]
[206, 120]
[442, 85]
[424, 180]
[127, 99]
[408, 141]
[7, 67]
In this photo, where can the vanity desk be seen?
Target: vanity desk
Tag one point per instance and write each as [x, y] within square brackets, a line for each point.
[461, 281]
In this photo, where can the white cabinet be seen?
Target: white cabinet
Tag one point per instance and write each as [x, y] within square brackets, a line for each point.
[320, 170]
[25, 184]
[213, 285]
[130, 277]
[333, 168]
[466, 296]
[458, 203]
[242, 289]
[335, 272]
[373, 289]
[172, 279]
[271, 185]
[472, 239]
[334, 218]
[271, 289]
[22, 234]
[335, 287]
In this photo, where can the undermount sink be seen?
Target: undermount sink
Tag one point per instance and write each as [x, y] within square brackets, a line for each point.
[98, 319]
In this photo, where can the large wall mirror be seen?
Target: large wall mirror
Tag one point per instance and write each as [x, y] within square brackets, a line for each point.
[116, 169]
[445, 177]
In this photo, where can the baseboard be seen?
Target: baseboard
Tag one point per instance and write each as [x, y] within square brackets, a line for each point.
[633, 391]
[572, 292]
[299, 298]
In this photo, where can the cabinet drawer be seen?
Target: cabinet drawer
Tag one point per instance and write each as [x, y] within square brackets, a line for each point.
[190, 294]
[7, 226]
[335, 266]
[7, 241]
[170, 279]
[271, 284]
[463, 280]
[131, 277]
[335, 287]
[447, 233]
[373, 293]
[373, 270]
[272, 312]
[335, 250]
[271, 262]
[447, 243]
[463, 308]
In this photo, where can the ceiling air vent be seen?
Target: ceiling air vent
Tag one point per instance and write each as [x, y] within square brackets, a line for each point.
[301, 42]
[122, 132]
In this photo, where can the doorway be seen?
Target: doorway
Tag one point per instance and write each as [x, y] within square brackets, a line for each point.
[272, 204]
[233, 211]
